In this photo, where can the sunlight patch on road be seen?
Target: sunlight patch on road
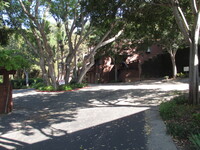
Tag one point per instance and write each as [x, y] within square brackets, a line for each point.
[160, 86]
[91, 117]
[85, 119]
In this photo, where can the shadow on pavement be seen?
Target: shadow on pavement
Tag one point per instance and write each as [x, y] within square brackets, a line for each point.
[114, 135]
[41, 111]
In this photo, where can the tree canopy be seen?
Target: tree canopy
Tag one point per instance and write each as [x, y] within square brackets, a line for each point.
[12, 60]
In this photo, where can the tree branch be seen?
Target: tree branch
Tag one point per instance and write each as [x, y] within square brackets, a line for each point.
[181, 21]
[25, 10]
[112, 39]
[36, 8]
[194, 6]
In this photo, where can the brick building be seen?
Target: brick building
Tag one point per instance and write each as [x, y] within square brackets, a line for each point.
[134, 65]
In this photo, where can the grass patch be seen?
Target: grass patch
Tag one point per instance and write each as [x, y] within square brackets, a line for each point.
[42, 87]
[182, 120]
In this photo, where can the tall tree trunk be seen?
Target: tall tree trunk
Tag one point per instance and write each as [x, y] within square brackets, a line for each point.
[52, 74]
[68, 67]
[27, 78]
[194, 64]
[44, 71]
[194, 75]
[173, 60]
[74, 78]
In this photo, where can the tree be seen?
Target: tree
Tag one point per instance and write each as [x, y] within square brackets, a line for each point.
[154, 24]
[190, 30]
[187, 15]
[32, 15]
[81, 20]
[12, 60]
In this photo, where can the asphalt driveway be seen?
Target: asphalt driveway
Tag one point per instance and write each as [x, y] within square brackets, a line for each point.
[99, 117]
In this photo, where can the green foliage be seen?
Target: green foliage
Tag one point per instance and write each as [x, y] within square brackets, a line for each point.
[12, 60]
[196, 116]
[49, 88]
[65, 88]
[195, 139]
[179, 100]
[42, 87]
[181, 119]
[21, 83]
[179, 130]
[167, 110]
[38, 85]
[3, 4]
[1, 79]
[182, 75]
[5, 35]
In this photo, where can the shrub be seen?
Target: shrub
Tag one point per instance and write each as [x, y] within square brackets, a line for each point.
[182, 75]
[31, 81]
[179, 100]
[49, 88]
[167, 110]
[181, 130]
[1, 79]
[196, 117]
[182, 120]
[21, 83]
[42, 88]
[18, 83]
[38, 80]
[195, 139]
[65, 88]
[177, 130]
[38, 85]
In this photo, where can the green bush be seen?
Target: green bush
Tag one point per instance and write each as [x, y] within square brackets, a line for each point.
[181, 130]
[21, 83]
[182, 75]
[195, 139]
[49, 88]
[65, 88]
[18, 83]
[181, 119]
[38, 85]
[1, 79]
[167, 110]
[196, 117]
[177, 130]
[42, 88]
[179, 100]
[38, 80]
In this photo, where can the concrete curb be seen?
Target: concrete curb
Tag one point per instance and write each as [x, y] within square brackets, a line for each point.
[157, 138]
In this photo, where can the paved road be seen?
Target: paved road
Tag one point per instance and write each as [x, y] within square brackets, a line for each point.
[100, 117]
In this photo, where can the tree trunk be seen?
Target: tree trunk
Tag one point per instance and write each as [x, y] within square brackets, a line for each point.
[85, 69]
[194, 75]
[68, 67]
[192, 37]
[194, 64]
[173, 60]
[27, 78]
[44, 71]
[52, 74]
[75, 68]
[116, 73]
